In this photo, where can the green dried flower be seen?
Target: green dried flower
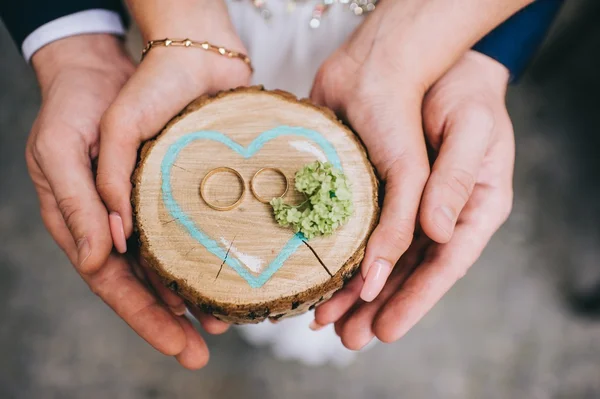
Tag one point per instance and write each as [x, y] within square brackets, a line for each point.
[328, 202]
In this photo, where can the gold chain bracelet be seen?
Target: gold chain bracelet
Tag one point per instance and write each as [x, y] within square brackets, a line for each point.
[204, 45]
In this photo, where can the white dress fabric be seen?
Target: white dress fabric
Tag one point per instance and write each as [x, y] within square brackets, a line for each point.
[286, 53]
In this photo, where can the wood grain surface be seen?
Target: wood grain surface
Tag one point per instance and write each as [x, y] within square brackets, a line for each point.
[196, 249]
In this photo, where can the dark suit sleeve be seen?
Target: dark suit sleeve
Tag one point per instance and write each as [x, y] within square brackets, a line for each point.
[514, 43]
[22, 17]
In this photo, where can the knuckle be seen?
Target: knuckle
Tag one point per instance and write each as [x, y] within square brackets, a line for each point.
[390, 166]
[460, 273]
[126, 128]
[106, 185]
[421, 174]
[331, 78]
[117, 123]
[477, 114]
[460, 182]
[399, 235]
[326, 74]
[506, 207]
[96, 289]
[70, 209]
[393, 166]
[30, 158]
[105, 281]
[43, 144]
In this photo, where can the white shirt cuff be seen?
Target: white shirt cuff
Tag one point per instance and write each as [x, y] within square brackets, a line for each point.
[89, 21]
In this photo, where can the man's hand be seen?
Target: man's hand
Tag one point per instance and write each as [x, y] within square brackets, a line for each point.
[165, 82]
[466, 199]
[79, 78]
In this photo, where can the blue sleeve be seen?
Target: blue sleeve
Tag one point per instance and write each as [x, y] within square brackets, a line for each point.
[514, 43]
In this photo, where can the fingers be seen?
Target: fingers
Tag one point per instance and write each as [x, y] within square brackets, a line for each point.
[118, 287]
[209, 323]
[339, 304]
[127, 296]
[401, 159]
[195, 355]
[444, 264]
[178, 306]
[388, 119]
[158, 91]
[465, 140]
[338, 325]
[67, 169]
[356, 330]
[137, 114]
[175, 303]
[55, 224]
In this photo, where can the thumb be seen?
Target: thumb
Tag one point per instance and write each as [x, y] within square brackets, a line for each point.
[67, 169]
[159, 89]
[465, 140]
[392, 133]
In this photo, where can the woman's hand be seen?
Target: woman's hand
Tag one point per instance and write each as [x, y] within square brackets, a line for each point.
[466, 199]
[377, 81]
[165, 82]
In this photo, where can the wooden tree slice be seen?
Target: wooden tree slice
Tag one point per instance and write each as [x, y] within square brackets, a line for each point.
[239, 264]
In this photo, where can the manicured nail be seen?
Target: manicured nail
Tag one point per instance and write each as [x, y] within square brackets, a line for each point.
[83, 251]
[315, 326]
[443, 217]
[364, 270]
[117, 232]
[378, 273]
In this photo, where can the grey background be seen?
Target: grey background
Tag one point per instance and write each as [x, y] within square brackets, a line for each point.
[507, 330]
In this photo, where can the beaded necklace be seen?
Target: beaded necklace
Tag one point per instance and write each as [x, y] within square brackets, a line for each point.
[358, 7]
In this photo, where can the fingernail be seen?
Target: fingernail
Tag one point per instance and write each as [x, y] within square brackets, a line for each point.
[315, 326]
[83, 251]
[117, 232]
[443, 217]
[364, 270]
[178, 310]
[378, 273]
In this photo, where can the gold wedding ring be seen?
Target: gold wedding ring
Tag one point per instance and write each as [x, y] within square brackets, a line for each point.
[276, 170]
[222, 169]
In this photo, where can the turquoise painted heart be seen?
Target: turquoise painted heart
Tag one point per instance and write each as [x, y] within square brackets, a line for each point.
[197, 233]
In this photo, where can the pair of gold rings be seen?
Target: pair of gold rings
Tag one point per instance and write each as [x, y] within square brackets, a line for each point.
[238, 201]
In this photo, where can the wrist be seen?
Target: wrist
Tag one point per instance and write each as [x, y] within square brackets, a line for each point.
[204, 71]
[200, 20]
[493, 71]
[405, 38]
[94, 51]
